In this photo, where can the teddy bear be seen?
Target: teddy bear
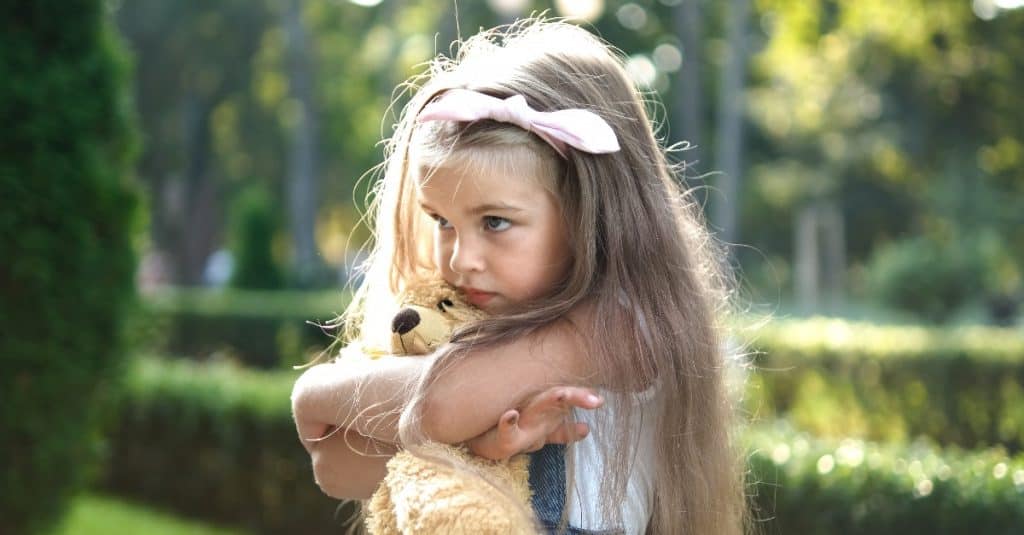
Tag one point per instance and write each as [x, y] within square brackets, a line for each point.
[427, 494]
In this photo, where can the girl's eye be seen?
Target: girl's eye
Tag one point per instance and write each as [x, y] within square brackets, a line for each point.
[442, 222]
[496, 224]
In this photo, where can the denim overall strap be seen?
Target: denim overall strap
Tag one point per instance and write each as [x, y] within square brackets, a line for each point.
[547, 480]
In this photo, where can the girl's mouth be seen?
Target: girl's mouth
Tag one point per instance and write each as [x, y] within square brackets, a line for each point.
[478, 298]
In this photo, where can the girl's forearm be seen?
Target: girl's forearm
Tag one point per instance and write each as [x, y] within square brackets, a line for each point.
[467, 400]
[349, 466]
[356, 393]
[463, 402]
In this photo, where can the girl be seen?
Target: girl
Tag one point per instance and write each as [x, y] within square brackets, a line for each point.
[527, 173]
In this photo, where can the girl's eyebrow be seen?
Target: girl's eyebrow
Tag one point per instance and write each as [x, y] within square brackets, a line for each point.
[491, 207]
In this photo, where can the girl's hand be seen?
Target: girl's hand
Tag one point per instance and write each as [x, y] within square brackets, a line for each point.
[543, 420]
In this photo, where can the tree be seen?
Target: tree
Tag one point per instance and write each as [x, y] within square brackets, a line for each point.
[195, 63]
[66, 230]
[303, 162]
[901, 116]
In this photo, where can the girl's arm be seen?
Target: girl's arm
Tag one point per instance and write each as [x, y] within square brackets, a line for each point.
[347, 464]
[479, 389]
[544, 420]
[357, 393]
[465, 401]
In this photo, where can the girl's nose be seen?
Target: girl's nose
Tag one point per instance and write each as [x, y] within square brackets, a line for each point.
[466, 257]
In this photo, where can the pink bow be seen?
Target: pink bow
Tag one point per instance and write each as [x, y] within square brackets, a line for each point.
[580, 128]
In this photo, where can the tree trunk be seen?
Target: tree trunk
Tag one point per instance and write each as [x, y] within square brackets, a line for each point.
[806, 268]
[820, 257]
[729, 145]
[302, 186]
[686, 89]
[197, 217]
[834, 249]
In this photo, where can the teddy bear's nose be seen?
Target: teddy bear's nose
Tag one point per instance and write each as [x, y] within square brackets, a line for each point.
[406, 320]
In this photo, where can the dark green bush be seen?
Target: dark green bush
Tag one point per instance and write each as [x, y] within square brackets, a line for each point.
[264, 329]
[212, 441]
[926, 277]
[806, 485]
[835, 378]
[65, 230]
[253, 224]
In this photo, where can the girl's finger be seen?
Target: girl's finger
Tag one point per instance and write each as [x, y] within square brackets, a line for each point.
[508, 422]
[563, 398]
[568, 434]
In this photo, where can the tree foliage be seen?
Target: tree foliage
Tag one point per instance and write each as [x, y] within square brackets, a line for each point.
[66, 228]
[902, 115]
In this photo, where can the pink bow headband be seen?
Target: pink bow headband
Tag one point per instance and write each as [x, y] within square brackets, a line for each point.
[582, 129]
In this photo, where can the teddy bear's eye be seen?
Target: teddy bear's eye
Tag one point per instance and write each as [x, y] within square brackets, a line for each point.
[445, 303]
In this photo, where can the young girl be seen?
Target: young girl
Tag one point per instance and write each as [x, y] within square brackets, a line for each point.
[527, 173]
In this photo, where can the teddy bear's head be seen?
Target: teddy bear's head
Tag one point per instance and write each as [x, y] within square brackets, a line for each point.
[429, 313]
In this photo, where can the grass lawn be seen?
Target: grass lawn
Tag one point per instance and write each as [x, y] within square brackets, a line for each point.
[94, 514]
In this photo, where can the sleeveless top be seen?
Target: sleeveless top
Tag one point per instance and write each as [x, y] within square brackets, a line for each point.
[548, 478]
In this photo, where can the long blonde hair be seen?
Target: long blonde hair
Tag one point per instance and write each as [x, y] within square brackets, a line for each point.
[642, 262]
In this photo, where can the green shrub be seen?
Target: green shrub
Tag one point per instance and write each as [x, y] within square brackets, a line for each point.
[923, 276]
[833, 377]
[217, 442]
[836, 378]
[806, 485]
[264, 329]
[213, 441]
[67, 263]
[253, 224]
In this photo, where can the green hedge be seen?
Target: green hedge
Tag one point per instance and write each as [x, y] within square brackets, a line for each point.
[263, 329]
[809, 486]
[68, 218]
[216, 442]
[958, 386]
[212, 441]
[836, 378]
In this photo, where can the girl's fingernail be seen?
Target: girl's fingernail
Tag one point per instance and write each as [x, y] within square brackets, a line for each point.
[513, 419]
[593, 399]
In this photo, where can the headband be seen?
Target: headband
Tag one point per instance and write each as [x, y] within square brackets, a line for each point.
[579, 128]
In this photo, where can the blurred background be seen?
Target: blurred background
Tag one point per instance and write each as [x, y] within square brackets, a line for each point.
[183, 181]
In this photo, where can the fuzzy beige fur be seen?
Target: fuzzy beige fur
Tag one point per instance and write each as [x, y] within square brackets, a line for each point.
[445, 490]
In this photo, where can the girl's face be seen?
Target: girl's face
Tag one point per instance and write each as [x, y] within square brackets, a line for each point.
[499, 237]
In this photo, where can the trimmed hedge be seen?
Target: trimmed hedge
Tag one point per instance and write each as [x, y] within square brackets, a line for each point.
[212, 441]
[263, 329]
[960, 386]
[835, 378]
[807, 485]
[67, 222]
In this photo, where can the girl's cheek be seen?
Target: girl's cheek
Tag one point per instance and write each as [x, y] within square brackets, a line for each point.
[442, 252]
